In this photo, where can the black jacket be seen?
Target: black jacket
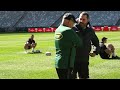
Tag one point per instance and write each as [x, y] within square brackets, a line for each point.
[89, 38]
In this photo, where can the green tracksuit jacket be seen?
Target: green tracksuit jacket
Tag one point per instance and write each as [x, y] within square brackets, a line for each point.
[66, 41]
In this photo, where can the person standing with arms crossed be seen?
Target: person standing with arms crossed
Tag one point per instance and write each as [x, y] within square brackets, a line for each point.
[65, 42]
[88, 36]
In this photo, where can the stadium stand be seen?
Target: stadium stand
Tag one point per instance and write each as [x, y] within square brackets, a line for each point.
[100, 18]
[40, 18]
[9, 18]
[118, 22]
[28, 19]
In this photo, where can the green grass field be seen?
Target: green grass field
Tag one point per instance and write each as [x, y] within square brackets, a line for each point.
[16, 64]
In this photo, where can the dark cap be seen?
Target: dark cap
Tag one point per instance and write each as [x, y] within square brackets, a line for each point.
[104, 38]
[69, 16]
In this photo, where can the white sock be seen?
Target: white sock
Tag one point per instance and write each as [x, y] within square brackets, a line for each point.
[113, 54]
[26, 51]
[32, 49]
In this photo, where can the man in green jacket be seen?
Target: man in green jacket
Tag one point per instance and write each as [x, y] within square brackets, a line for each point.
[66, 40]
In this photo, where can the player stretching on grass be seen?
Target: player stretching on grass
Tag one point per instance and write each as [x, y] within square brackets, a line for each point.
[30, 44]
[107, 52]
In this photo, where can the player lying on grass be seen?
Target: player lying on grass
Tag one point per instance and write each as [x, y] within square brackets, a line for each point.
[107, 52]
[30, 43]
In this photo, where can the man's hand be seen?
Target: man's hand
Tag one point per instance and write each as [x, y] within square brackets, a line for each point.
[92, 54]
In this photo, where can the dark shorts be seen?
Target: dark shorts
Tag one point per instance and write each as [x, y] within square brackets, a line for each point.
[104, 56]
[82, 68]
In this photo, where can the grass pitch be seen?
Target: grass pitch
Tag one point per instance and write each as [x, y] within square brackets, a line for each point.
[16, 64]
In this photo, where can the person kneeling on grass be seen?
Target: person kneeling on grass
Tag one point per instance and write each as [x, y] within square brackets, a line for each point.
[30, 44]
[107, 52]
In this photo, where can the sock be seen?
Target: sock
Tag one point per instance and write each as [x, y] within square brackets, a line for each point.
[113, 54]
[33, 49]
[26, 51]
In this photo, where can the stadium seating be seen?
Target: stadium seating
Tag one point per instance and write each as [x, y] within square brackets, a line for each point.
[9, 18]
[40, 18]
[104, 17]
[47, 18]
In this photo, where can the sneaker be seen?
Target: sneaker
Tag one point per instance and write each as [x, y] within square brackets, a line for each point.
[115, 57]
[26, 51]
[33, 51]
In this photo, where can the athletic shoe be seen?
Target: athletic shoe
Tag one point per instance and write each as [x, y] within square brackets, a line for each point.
[115, 57]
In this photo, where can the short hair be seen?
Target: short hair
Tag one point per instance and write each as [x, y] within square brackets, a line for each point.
[85, 13]
[103, 39]
[69, 16]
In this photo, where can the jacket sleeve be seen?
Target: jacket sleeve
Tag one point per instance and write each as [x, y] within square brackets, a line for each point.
[95, 42]
[76, 40]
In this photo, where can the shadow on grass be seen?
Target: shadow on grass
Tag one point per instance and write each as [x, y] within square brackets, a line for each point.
[35, 53]
[111, 59]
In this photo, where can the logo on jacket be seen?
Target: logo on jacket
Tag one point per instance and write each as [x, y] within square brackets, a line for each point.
[58, 36]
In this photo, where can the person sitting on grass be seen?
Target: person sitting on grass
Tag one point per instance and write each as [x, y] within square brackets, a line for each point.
[107, 52]
[30, 43]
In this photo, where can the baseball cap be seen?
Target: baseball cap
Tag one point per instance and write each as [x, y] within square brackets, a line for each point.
[69, 16]
[104, 38]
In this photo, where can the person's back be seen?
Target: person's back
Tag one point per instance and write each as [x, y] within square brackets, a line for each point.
[65, 42]
[64, 46]
[102, 52]
[30, 41]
